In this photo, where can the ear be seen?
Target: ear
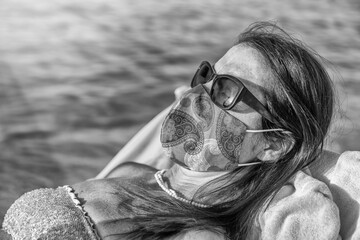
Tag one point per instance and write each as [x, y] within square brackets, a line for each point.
[275, 149]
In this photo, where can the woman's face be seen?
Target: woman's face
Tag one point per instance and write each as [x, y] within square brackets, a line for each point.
[201, 136]
[247, 63]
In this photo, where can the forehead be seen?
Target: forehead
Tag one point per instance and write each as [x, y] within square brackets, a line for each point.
[245, 62]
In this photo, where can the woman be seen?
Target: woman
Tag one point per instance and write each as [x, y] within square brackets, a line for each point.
[247, 127]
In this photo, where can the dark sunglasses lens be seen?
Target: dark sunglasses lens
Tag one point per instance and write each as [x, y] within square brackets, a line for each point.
[202, 76]
[225, 91]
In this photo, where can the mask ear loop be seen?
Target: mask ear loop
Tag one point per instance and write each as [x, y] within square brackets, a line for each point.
[269, 130]
[266, 130]
[248, 164]
[261, 131]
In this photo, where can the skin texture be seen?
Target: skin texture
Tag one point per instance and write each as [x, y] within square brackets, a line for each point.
[100, 198]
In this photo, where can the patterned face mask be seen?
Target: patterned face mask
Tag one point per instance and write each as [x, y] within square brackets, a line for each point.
[200, 136]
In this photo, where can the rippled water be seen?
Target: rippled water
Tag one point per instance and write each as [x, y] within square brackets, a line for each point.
[79, 78]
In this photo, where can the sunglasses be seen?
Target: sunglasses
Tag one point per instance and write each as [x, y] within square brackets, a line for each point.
[226, 90]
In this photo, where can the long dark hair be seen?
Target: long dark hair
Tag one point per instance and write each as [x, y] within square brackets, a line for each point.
[301, 98]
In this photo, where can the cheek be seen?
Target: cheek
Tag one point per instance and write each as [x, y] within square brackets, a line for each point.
[253, 144]
[252, 120]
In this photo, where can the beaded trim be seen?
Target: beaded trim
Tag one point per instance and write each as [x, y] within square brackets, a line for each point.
[77, 203]
[159, 179]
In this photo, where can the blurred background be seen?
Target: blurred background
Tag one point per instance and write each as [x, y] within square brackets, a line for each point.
[79, 78]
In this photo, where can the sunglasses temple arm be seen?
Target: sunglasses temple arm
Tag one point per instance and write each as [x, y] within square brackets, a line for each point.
[253, 102]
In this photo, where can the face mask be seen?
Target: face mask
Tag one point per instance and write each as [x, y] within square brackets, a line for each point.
[200, 136]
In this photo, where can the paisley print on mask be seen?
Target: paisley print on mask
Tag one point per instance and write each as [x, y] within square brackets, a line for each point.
[204, 161]
[180, 128]
[229, 135]
[200, 136]
[203, 108]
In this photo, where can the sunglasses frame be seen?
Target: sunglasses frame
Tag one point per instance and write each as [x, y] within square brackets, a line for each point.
[243, 95]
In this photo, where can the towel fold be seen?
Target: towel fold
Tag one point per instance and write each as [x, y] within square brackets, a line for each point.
[309, 212]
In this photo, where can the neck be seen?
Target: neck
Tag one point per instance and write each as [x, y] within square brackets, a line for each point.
[187, 182]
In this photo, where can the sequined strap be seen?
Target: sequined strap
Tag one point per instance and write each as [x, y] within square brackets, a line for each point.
[77, 203]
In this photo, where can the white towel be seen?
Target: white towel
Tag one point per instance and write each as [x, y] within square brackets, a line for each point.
[345, 187]
[307, 213]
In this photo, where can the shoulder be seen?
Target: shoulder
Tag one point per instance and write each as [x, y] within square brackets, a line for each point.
[46, 213]
[109, 201]
[124, 176]
[128, 176]
[131, 169]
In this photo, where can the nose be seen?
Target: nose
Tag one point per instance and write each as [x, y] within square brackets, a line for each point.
[180, 91]
[207, 86]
